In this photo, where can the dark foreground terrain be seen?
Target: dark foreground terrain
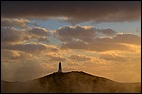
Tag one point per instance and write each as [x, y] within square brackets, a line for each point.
[70, 82]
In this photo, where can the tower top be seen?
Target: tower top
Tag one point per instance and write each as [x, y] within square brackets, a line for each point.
[60, 67]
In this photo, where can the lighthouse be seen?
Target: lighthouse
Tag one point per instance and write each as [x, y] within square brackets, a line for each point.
[60, 67]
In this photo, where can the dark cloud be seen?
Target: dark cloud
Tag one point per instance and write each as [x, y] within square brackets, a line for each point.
[39, 31]
[128, 38]
[99, 11]
[77, 32]
[81, 33]
[39, 34]
[79, 58]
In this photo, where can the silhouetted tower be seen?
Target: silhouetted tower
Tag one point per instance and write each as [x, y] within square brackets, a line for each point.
[60, 67]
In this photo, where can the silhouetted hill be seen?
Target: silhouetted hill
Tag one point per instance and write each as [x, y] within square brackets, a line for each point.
[70, 82]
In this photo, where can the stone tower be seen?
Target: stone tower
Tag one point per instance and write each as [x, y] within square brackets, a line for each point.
[60, 67]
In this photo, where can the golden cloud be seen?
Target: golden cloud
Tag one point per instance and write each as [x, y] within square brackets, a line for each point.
[6, 22]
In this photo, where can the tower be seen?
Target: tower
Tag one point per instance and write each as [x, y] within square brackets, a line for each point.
[60, 67]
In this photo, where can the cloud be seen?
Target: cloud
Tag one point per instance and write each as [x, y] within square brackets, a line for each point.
[39, 34]
[13, 35]
[95, 46]
[123, 57]
[43, 39]
[22, 23]
[81, 33]
[55, 58]
[109, 11]
[128, 38]
[75, 45]
[79, 58]
[38, 31]
[105, 44]
[88, 38]
[108, 32]
[10, 55]
[113, 57]
[31, 47]
[77, 32]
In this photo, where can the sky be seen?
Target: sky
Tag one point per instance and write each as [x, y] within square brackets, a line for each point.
[102, 38]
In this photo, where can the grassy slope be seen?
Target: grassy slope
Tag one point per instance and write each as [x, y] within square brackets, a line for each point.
[70, 82]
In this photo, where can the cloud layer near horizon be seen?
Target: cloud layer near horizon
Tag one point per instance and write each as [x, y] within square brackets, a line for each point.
[74, 11]
[18, 47]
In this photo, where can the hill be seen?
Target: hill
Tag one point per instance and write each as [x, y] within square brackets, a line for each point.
[70, 82]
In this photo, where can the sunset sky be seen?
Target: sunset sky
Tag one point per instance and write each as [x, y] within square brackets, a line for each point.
[102, 38]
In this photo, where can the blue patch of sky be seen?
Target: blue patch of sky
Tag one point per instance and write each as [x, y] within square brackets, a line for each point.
[50, 24]
[54, 41]
[122, 27]
[126, 27]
